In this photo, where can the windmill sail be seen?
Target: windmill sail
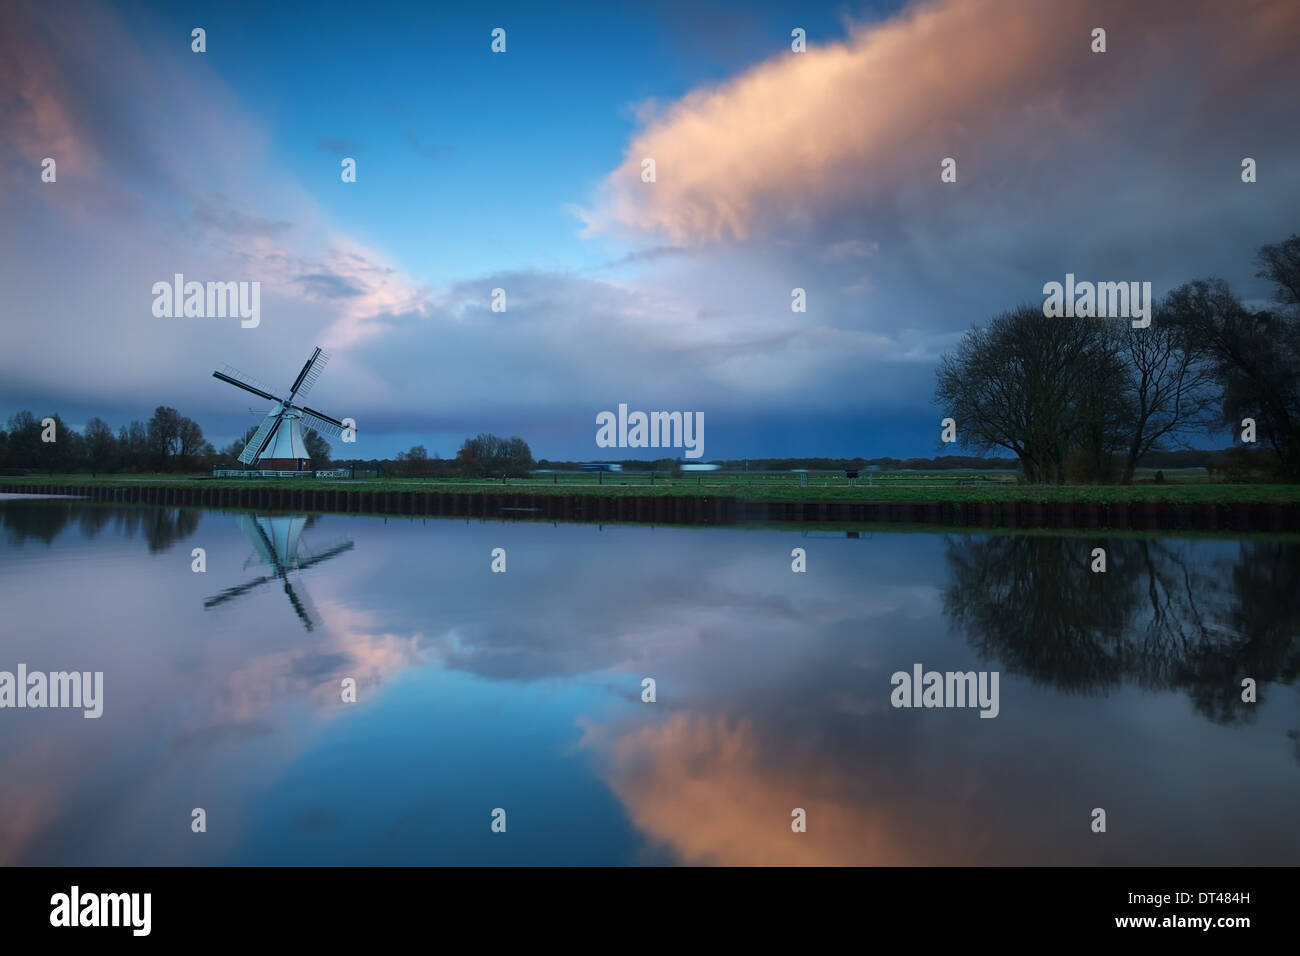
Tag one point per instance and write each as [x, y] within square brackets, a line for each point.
[325, 426]
[249, 454]
[324, 554]
[310, 372]
[231, 593]
[302, 604]
[249, 384]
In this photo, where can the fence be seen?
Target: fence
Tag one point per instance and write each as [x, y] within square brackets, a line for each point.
[333, 473]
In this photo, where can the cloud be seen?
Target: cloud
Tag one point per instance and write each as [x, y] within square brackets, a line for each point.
[642, 256]
[1011, 90]
[820, 171]
[329, 286]
[338, 146]
[33, 111]
[428, 152]
[216, 212]
[848, 250]
[137, 201]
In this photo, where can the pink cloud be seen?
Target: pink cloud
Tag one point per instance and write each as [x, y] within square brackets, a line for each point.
[1002, 86]
[33, 109]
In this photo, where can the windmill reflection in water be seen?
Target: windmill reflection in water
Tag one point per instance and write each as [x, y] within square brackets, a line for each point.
[278, 545]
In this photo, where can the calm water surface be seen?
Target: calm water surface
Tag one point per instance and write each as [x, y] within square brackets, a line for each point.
[522, 691]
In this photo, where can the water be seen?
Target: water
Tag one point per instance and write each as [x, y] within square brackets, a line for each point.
[522, 691]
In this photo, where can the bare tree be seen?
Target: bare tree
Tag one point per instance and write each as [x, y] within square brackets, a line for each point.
[1038, 387]
[189, 438]
[1169, 388]
[101, 446]
[318, 449]
[1256, 360]
[1280, 264]
[164, 432]
[493, 456]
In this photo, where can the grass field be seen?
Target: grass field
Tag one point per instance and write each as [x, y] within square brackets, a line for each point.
[896, 486]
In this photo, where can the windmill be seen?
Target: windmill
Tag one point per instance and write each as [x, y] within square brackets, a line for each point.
[277, 445]
[277, 543]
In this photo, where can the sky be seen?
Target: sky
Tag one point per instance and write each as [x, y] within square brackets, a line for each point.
[522, 171]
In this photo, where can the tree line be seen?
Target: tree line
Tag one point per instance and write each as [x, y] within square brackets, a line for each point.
[172, 442]
[167, 442]
[484, 456]
[1085, 400]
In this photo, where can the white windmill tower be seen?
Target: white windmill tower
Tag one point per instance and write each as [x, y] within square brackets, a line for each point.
[277, 445]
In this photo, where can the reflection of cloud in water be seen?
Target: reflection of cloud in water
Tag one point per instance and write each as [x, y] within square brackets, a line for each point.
[346, 646]
[715, 791]
[29, 801]
[231, 702]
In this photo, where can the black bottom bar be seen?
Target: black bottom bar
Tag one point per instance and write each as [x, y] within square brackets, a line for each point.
[339, 905]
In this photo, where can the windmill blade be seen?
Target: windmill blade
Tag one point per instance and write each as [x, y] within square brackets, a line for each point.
[240, 380]
[247, 379]
[310, 372]
[231, 593]
[302, 606]
[301, 601]
[322, 423]
[322, 416]
[259, 439]
[316, 557]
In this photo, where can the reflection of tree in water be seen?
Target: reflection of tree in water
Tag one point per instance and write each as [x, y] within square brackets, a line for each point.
[1032, 603]
[1257, 633]
[34, 520]
[44, 520]
[1162, 616]
[163, 527]
[92, 520]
